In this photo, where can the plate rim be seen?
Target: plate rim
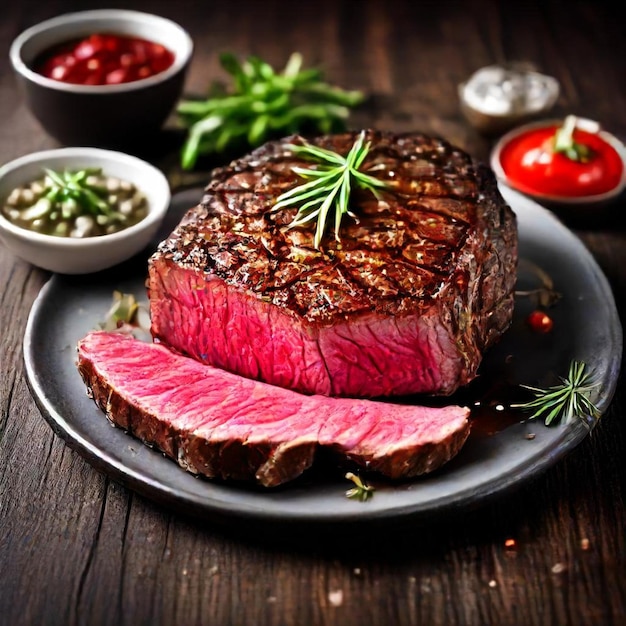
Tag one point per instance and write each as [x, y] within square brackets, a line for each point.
[245, 509]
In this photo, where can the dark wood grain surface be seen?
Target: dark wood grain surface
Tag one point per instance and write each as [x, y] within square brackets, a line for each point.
[77, 548]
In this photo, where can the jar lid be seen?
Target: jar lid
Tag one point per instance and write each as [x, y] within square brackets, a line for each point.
[509, 90]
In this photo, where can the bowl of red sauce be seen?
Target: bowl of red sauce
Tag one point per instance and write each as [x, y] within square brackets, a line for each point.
[571, 161]
[103, 77]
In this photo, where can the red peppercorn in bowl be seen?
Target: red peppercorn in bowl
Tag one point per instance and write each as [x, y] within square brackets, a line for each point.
[569, 161]
[105, 78]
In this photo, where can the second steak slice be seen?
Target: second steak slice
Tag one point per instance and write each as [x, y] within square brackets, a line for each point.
[420, 285]
[221, 425]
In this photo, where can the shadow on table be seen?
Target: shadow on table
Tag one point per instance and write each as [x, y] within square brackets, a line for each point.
[395, 541]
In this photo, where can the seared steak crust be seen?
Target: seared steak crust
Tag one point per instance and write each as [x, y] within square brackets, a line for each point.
[420, 285]
[220, 425]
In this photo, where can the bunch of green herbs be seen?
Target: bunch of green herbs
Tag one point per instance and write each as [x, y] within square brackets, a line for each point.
[261, 104]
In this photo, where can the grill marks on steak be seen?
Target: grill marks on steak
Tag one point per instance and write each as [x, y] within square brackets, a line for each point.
[391, 260]
[221, 425]
[417, 289]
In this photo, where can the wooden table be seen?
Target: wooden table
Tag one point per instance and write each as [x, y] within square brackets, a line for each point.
[77, 548]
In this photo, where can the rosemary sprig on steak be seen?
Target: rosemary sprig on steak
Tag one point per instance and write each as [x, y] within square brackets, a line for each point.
[261, 104]
[566, 400]
[330, 183]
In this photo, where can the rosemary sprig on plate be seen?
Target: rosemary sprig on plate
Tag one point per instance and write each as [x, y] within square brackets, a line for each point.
[361, 490]
[566, 400]
[329, 185]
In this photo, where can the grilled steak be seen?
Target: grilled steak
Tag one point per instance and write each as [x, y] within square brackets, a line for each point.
[420, 285]
[221, 425]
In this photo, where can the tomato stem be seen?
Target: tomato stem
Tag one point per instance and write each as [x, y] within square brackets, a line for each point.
[564, 142]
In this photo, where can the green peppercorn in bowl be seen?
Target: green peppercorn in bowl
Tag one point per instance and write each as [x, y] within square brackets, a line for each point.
[80, 210]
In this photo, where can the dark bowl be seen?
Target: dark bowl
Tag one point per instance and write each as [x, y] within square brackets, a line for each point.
[101, 115]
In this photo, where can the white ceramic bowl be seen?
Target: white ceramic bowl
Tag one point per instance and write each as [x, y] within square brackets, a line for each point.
[68, 255]
[101, 115]
[553, 200]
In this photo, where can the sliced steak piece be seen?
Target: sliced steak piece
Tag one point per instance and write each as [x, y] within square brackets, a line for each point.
[221, 425]
[407, 302]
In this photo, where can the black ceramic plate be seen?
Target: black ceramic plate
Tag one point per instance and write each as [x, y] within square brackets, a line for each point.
[586, 327]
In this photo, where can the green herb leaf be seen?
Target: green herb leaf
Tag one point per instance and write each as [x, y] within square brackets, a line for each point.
[361, 490]
[329, 185]
[124, 309]
[127, 315]
[565, 401]
[262, 103]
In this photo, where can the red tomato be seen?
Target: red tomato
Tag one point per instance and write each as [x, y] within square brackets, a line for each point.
[534, 167]
[104, 59]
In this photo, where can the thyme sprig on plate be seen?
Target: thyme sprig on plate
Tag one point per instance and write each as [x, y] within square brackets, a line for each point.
[569, 399]
[361, 490]
[330, 183]
[126, 315]
[262, 103]
[545, 295]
